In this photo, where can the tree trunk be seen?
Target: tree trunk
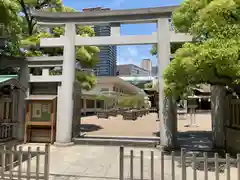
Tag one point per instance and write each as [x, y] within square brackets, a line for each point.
[168, 123]
[218, 97]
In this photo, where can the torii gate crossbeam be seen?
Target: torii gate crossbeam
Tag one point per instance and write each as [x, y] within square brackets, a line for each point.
[163, 37]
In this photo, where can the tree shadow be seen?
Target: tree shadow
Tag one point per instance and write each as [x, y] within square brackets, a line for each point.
[89, 127]
[198, 142]
[195, 140]
[200, 165]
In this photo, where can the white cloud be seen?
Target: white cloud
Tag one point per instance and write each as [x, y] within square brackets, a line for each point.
[128, 55]
[133, 52]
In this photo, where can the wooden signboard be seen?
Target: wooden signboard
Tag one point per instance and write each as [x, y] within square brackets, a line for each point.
[40, 123]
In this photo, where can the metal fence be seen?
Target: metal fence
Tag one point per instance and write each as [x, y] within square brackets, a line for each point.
[176, 166]
[19, 164]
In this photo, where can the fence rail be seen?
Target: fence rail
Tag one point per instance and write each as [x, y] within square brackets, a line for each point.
[188, 167]
[13, 160]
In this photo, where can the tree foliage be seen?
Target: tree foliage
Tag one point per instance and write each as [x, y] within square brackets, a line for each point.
[214, 57]
[135, 101]
[27, 34]
[10, 26]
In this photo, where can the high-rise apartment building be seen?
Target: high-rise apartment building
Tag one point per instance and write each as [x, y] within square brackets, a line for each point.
[107, 65]
[147, 64]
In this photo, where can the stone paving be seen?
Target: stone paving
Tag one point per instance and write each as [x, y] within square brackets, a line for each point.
[144, 126]
[81, 162]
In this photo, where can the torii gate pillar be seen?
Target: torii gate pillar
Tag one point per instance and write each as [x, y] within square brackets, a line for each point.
[167, 108]
[65, 99]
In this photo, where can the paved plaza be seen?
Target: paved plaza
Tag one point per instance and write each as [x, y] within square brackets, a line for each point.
[143, 126]
[81, 162]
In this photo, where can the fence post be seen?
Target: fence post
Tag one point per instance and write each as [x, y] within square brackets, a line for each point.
[152, 165]
[29, 157]
[12, 153]
[228, 177]
[216, 166]
[194, 160]
[173, 164]
[37, 162]
[162, 165]
[131, 165]
[20, 157]
[46, 162]
[183, 164]
[205, 166]
[121, 165]
[141, 165]
[3, 156]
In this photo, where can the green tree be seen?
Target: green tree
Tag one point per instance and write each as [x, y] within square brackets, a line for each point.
[134, 101]
[174, 47]
[25, 28]
[10, 26]
[214, 57]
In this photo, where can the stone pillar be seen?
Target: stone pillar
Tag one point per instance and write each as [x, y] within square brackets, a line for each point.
[24, 80]
[167, 109]
[115, 29]
[65, 97]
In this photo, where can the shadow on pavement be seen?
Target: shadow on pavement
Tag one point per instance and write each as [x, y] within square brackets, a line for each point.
[198, 142]
[195, 140]
[89, 127]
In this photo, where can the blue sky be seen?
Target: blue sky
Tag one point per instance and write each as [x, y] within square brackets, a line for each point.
[128, 54]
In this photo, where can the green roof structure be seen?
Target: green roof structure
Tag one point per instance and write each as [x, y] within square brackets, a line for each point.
[11, 80]
[4, 78]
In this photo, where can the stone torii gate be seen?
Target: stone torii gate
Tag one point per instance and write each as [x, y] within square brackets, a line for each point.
[163, 37]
